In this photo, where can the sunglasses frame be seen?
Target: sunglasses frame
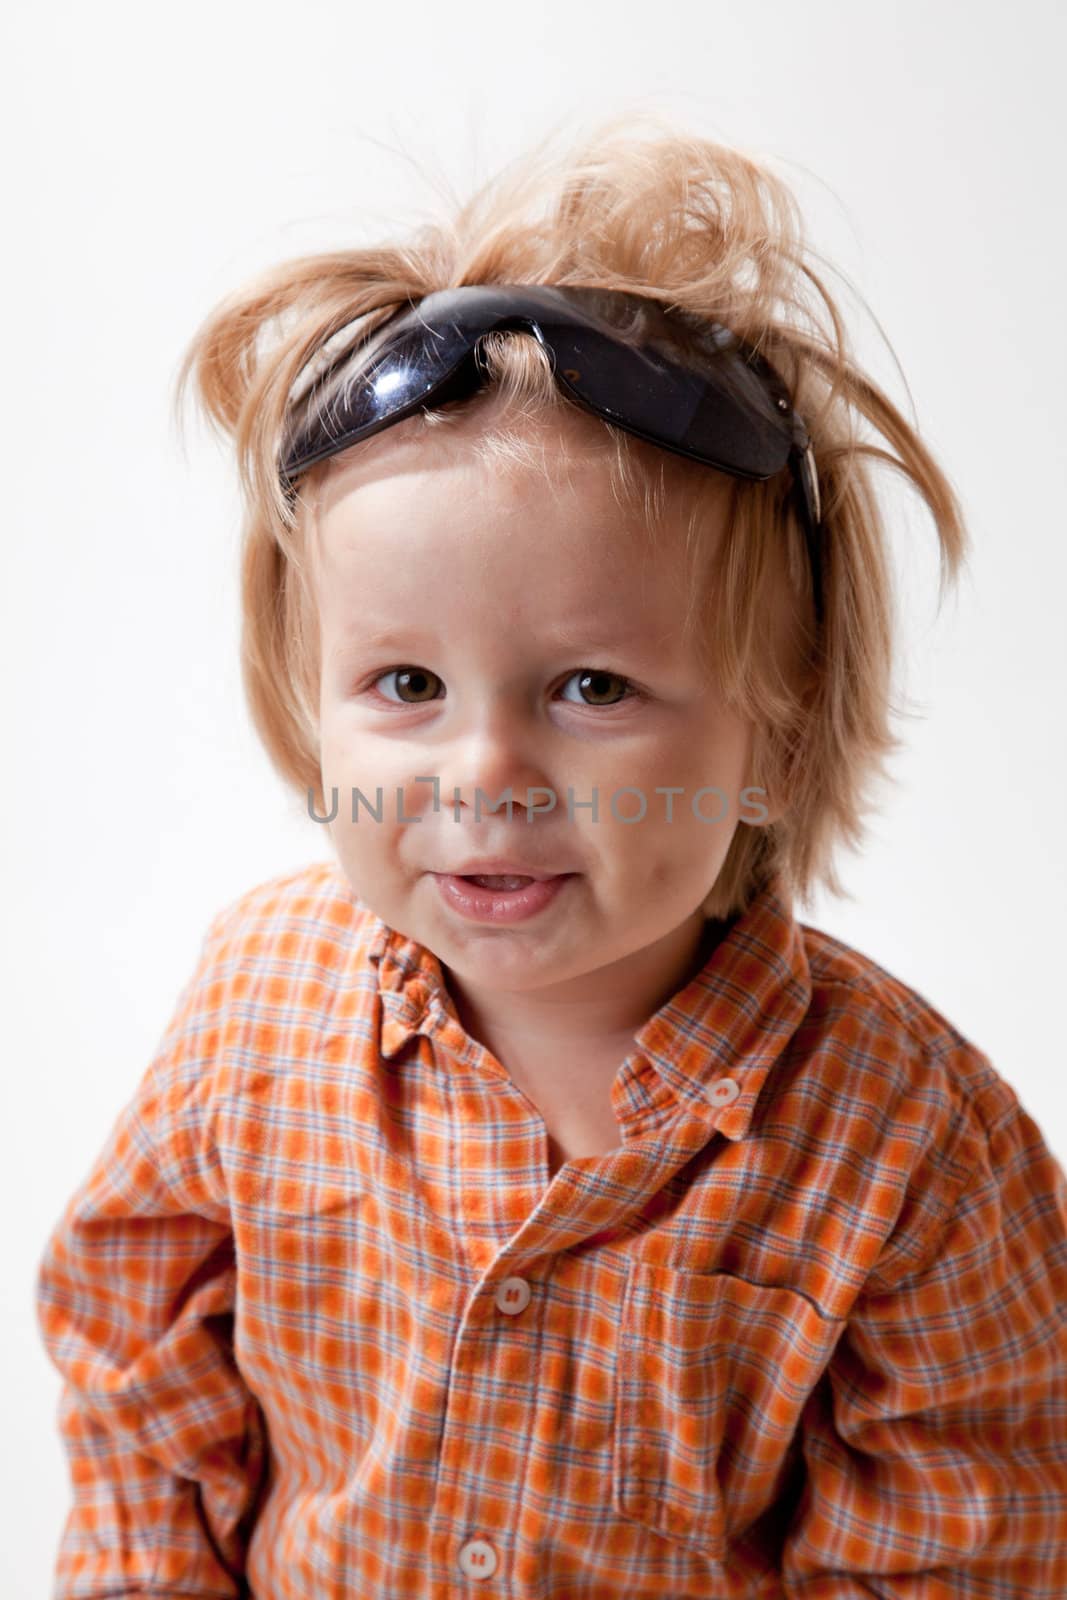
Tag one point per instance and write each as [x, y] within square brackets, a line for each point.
[677, 356]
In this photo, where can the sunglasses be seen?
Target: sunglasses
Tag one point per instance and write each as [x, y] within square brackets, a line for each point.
[687, 385]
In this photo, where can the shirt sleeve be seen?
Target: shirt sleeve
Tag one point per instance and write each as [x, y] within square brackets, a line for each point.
[167, 1447]
[936, 1449]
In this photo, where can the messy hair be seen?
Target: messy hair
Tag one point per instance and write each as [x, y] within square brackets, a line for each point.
[639, 206]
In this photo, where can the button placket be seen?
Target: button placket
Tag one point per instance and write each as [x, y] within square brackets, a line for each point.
[477, 1558]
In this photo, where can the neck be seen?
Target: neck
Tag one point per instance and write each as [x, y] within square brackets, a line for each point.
[598, 1010]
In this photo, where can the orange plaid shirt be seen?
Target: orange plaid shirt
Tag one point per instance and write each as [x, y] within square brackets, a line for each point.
[327, 1328]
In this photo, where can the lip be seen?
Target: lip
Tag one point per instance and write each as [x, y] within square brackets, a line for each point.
[500, 867]
[499, 907]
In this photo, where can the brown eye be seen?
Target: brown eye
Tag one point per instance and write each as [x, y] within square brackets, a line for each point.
[596, 687]
[415, 686]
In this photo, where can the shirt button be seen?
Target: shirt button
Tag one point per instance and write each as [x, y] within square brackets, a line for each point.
[724, 1091]
[477, 1559]
[512, 1295]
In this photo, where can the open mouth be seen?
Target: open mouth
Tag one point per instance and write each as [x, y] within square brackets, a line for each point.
[486, 880]
[500, 898]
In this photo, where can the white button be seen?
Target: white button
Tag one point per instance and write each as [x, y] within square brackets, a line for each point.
[477, 1559]
[723, 1091]
[512, 1295]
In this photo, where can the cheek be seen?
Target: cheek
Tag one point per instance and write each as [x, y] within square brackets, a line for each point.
[691, 757]
[351, 756]
[335, 765]
[685, 833]
[673, 866]
[723, 761]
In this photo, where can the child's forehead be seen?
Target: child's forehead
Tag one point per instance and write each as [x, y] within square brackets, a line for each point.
[568, 550]
[554, 479]
[547, 449]
[401, 557]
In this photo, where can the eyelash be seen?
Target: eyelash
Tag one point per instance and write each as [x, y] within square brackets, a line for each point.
[633, 693]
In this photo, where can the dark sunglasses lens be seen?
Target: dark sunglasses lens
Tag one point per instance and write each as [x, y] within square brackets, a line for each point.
[715, 409]
[367, 388]
[690, 391]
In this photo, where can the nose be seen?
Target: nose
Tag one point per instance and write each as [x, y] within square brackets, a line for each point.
[496, 755]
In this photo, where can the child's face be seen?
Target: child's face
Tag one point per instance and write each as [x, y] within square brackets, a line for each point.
[499, 586]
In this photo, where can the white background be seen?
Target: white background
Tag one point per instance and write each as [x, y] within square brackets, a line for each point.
[155, 157]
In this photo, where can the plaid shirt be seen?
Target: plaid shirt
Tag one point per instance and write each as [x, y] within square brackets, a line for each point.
[327, 1328]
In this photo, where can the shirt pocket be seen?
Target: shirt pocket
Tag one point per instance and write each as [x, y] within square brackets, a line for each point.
[713, 1374]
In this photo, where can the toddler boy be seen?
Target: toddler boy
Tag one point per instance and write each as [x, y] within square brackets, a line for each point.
[523, 1201]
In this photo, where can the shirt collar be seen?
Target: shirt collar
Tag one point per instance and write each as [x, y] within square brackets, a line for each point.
[731, 1020]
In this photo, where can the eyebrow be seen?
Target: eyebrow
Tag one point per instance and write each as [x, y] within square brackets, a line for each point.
[561, 637]
[379, 639]
[582, 634]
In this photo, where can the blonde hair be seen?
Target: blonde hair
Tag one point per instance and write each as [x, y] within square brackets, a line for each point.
[643, 207]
